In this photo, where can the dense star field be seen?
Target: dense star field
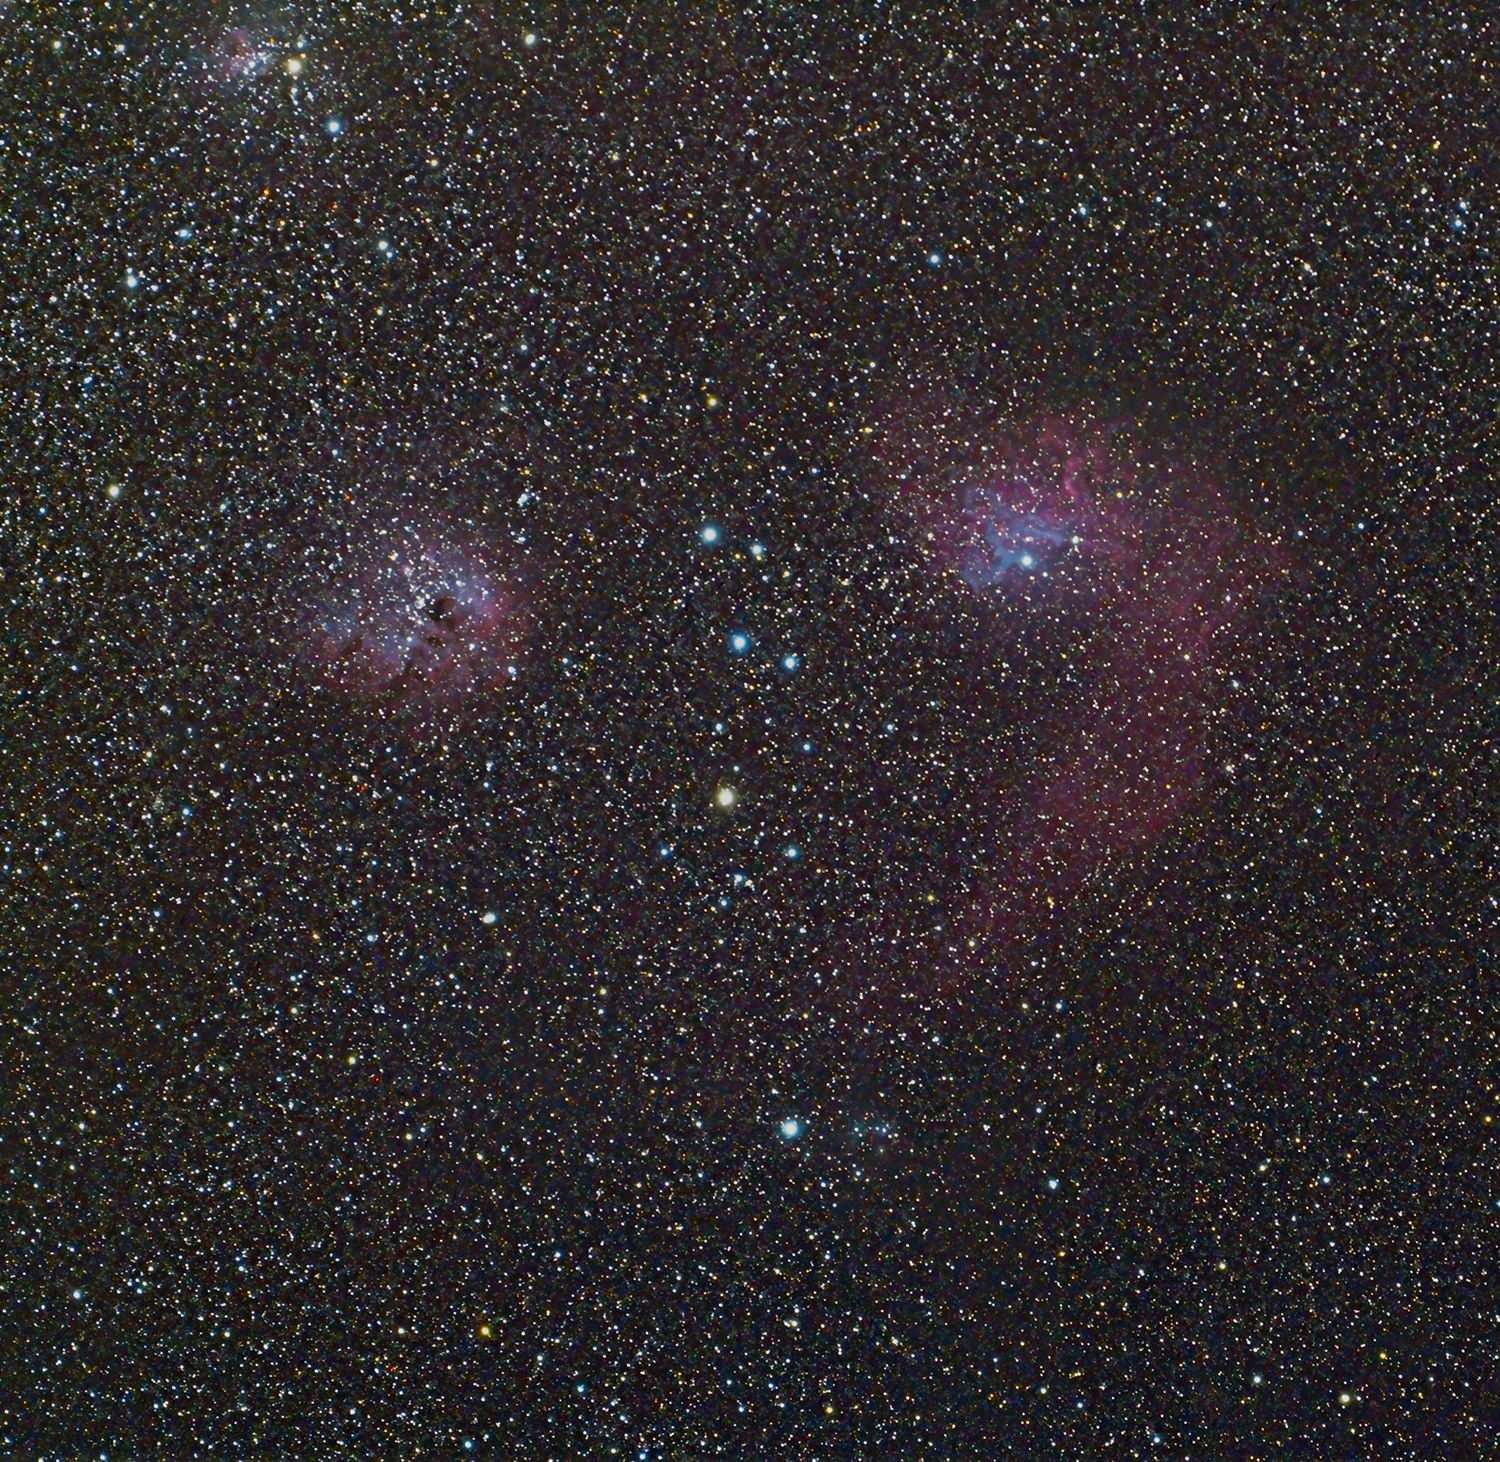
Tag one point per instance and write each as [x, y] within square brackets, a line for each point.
[749, 732]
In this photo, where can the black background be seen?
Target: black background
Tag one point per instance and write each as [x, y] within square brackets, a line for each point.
[302, 1158]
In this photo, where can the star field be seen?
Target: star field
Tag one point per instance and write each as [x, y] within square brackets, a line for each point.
[748, 733]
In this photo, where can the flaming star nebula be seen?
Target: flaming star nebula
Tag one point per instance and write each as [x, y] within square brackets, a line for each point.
[1058, 506]
[241, 57]
[1120, 595]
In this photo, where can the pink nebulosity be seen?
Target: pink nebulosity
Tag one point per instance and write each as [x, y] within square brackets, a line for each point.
[237, 56]
[407, 614]
[241, 57]
[1141, 584]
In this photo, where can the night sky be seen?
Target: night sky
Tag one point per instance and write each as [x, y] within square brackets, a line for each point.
[749, 732]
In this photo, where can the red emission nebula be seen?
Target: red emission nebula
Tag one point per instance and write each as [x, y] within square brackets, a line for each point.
[401, 612]
[1123, 595]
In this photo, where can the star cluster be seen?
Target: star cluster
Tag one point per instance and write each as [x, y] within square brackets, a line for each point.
[406, 615]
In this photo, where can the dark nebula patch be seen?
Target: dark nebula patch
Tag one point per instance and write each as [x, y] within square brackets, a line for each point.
[404, 612]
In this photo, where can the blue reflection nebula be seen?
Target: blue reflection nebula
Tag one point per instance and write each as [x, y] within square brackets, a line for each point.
[1008, 542]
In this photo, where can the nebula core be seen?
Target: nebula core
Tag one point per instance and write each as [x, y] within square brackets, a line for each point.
[405, 612]
[1010, 542]
[234, 57]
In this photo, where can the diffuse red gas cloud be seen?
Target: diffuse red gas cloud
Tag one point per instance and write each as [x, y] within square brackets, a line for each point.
[402, 611]
[1143, 581]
